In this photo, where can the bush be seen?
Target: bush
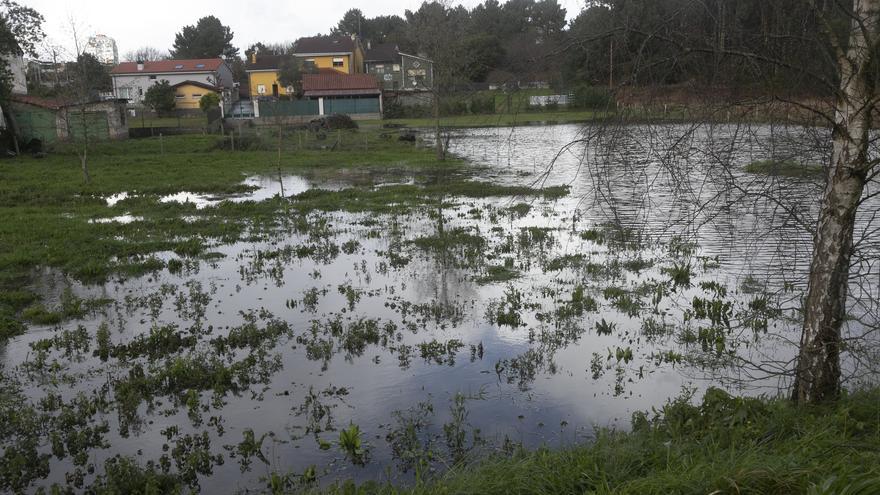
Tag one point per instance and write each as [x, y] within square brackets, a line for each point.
[160, 97]
[483, 104]
[208, 101]
[592, 97]
[340, 121]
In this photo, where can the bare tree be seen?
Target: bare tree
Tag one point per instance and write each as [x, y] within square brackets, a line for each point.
[145, 54]
[80, 95]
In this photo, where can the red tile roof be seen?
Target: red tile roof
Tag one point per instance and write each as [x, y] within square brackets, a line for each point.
[166, 66]
[325, 81]
[43, 102]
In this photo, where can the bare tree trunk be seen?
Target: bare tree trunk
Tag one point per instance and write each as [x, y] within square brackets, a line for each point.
[14, 128]
[438, 138]
[84, 163]
[818, 368]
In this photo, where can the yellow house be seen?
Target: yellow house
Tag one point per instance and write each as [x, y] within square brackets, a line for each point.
[262, 74]
[188, 93]
[341, 53]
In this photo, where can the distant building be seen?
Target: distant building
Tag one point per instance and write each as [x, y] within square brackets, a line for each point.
[340, 53]
[131, 80]
[398, 71]
[262, 71]
[103, 48]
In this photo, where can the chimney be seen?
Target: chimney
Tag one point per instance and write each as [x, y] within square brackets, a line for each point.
[254, 57]
[140, 65]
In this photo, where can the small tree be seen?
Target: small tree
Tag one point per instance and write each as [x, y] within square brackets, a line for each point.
[209, 101]
[160, 97]
[290, 73]
[91, 74]
[208, 38]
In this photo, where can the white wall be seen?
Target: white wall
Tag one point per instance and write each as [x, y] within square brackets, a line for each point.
[18, 69]
[134, 86]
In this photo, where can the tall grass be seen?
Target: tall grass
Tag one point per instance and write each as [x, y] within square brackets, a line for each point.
[723, 444]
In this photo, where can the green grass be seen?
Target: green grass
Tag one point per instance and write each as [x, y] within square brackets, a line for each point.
[46, 207]
[724, 445]
[785, 168]
[508, 119]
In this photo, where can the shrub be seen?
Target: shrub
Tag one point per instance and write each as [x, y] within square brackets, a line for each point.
[208, 101]
[592, 97]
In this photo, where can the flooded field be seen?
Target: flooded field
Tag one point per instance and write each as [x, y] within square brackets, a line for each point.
[370, 343]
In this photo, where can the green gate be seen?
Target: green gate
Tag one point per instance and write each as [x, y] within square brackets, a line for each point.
[91, 125]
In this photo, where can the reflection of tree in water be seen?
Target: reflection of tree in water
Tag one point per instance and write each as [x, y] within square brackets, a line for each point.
[689, 181]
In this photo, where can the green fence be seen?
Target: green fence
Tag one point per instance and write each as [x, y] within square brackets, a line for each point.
[351, 106]
[36, 123]
[288, 108]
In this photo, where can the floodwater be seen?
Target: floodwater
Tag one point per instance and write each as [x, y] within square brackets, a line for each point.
[387, 313]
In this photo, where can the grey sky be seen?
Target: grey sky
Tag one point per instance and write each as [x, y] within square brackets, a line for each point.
[154, 23]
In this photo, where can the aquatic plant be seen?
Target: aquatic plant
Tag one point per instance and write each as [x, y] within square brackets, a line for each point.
[351, 444]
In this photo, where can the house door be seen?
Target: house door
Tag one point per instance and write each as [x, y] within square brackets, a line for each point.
[275, 90]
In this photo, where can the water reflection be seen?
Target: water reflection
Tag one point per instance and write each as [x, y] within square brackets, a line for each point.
[549, 315]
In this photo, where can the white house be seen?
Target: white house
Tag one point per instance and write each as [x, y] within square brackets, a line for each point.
[132, 79]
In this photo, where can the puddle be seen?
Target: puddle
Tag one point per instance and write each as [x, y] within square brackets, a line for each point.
[122, 219]
[112, 200]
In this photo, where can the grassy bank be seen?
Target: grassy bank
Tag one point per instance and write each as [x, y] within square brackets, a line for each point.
[723, 444]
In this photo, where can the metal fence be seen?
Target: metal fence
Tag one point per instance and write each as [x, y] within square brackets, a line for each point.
[351, 105]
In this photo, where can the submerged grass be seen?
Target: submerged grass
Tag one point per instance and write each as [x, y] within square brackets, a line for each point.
[46, 208]
[724, 444]
[785, 168]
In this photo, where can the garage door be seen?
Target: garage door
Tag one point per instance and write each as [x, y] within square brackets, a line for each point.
[92, 125]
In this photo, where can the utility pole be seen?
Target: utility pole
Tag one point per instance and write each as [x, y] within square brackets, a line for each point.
[611, 67]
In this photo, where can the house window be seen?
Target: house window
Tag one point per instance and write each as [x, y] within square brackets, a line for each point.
[125, 93]
[152, 77]
[338, 62]
[197, 95]
[261, 89]
[140, 91]
[200, 66]
[179, 96]
[178, 66]
[380, 69]
[396, 67]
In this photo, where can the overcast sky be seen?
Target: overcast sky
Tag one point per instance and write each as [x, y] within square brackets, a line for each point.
[154, 23]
